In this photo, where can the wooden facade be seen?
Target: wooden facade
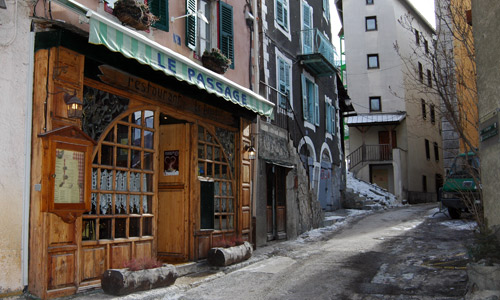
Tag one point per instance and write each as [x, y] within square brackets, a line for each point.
[155, 152]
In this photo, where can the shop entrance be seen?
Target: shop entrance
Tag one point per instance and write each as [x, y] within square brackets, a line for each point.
[173, 193]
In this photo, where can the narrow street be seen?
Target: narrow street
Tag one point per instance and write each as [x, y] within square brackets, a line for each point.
[402, 253]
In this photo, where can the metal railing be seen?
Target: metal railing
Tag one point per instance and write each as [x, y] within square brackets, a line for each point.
[365, 153]
[314, 41]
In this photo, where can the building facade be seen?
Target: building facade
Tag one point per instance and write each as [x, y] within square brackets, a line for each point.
[300, 159]
[133, 147]
[394, 141]
[485, 42]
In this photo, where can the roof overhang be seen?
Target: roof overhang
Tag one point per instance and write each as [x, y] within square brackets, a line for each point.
[374, 119]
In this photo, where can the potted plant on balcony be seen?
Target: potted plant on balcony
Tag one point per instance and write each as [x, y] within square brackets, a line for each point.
[138, 275]
[215, 60]
[133, 13]
[227, 252]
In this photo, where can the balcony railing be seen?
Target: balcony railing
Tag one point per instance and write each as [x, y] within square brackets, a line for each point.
[367, 153]
[318, 53]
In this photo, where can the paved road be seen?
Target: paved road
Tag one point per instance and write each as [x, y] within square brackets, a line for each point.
[402, 253]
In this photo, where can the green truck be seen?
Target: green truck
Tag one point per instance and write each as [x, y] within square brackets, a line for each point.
[460, 191]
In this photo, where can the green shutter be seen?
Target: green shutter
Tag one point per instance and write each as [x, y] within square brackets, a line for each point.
[281, 82]
[191, 7]
[328, 117]
[307, 34]
[159, 8]
[316, 105]
[226, 36]
[304, 97]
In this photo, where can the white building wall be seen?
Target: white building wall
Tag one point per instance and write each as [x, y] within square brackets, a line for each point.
[15, 81]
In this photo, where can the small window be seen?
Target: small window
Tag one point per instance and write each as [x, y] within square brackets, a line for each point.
[433, 114]
[429, 78]
[420, 72]
[426, 46]
[284, 82]
[424, 183]
[375, 104]
[424, 110]
[310, 101]
[371, 23]
[436, 151]
[369, 2]
[373, 61]
[417, 37]
[427, 150]
[204, 29]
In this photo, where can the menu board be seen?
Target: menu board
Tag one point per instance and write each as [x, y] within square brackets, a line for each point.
[69, 176]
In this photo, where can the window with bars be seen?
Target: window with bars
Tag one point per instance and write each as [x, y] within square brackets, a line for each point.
[214, 165]
[122, 181]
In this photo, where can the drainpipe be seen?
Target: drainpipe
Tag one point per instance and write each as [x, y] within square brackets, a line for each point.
[27, 162]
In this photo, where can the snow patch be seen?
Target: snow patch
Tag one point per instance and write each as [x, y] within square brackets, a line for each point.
[371, 191]
[460, 224]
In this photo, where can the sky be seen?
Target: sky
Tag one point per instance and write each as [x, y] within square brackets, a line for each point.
[425, 7]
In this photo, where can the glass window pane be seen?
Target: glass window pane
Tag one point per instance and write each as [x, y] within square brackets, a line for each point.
[210, 138]
[223, 222]
[230, 207]
[371, 23]
[105, 204]
[216, 205]
[106, 155]
[137, 118]
[147, 204]
[209, 152]
[93, 201]
[223, 207]
[201, 151]
[209, 170]
[147, 182]
[147, 226]
[135, 182]
[201, 169]
[110, 137]
[122, 134]
[135, 204]
[148, 139]
[121, 157]
[88, 230]
[136, 159]
[217, 154]
[120, 204]
[106, 182]
[121, 180]
[216, 223]
[217, 171]
[231, 222]
[149, 118]
[148, 161]
[134, 227]
[136, 137]
[120, 228]
[105, 229]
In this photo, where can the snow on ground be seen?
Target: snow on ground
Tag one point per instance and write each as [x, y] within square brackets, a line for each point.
[460, 224]
[371, 191]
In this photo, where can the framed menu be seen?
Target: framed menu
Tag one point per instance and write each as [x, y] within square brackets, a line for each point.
[66, 172]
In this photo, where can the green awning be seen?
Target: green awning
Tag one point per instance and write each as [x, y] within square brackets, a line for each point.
[132, 44]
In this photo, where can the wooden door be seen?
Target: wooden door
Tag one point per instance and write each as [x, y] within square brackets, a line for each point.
[380, 177]
[173, 193]
[385, 139]
[276, 202]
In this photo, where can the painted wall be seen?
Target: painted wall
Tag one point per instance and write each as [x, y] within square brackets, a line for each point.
[15, 76]
[485, 15]
[394, 81]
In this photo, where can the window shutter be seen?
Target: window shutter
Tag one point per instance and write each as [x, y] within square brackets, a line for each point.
[226, 36]
[334, 120]
[281, 82]
[159, 8]
[191, 7]
[326, 9]
[328, 121]
[304, 98]
[285, 14]
[279, 12]
[307, 35]
[287, 82]
[316, 105]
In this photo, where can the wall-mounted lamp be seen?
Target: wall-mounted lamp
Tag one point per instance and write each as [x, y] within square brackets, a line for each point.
[251, 152]
[198, 14]
[74, 106]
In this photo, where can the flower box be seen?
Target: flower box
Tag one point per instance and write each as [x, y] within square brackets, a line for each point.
[215, 60]
[134, 14]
